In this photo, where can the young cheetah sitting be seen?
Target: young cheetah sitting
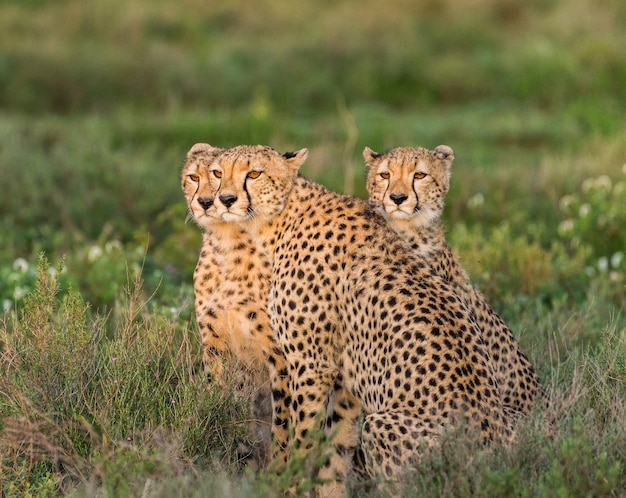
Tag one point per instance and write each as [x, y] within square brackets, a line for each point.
[409, 185]
[352, 305]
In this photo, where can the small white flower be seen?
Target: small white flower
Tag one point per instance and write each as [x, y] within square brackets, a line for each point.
[20, 264]
[7, 304]
[588, 184]
[566, 201]
[603, 263]
[112, 245]
[476, 200]
[566, 226]
[19, 293]
[94, 253]
[584, 210]
[604, 182]
[616, 259]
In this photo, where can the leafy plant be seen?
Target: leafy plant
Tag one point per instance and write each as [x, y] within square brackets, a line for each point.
[593, 224]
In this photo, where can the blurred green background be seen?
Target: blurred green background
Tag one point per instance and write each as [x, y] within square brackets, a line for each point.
[99, 101]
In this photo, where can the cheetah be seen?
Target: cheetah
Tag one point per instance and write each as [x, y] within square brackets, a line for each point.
[231, 285]
[408, 185]
[353, 307]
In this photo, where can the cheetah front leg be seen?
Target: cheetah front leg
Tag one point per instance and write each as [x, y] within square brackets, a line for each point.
[215, 350]
[281, 401]
[311, 391]
[343, 415]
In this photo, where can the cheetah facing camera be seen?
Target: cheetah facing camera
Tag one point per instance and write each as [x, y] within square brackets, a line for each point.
[409, 186]
[351, 305]
[231, 284]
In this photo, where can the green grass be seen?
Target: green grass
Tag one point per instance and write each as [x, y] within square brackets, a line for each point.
[98, 106]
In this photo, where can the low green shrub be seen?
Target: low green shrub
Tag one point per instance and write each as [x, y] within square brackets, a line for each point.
[515, 272]
[106, 409]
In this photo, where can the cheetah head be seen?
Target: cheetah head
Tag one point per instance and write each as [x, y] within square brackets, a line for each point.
[246, 182]
[195, 183]
[409, 183]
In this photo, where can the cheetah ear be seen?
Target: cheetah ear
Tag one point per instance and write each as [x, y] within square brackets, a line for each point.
[197, 148]
[444, 152]
[370, 156]
[296, 159]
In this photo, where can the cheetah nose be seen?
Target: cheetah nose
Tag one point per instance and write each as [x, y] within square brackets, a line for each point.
[205, 202]
[398, 198]
[228, 200]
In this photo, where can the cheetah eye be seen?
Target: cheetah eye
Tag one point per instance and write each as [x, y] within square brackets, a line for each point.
[217, 173]
[419, 176]
[385, 175]
[254, 174]
[194, 178]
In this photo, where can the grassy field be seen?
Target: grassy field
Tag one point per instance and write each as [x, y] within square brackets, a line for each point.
[100, 390]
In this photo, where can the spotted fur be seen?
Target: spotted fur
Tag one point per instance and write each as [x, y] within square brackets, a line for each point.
[355, 310]
[231, 285]
[409, 185]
